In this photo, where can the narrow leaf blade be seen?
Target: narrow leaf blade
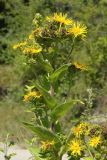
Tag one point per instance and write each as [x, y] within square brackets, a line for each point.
[42, 132]
[57, 73]
[51, 101]
[62, 109]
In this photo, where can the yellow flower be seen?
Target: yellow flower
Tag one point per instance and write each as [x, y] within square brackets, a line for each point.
[32, 50]
[95, 141]
[85, 127]
[78, 30]
[47, 144]
[78, 131]
[80, 66]
[31, 94]
[76, 147]
[62, 18]
[19, 45]
[82, 129]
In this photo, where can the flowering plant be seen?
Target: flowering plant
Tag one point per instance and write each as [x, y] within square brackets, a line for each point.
[43, 51]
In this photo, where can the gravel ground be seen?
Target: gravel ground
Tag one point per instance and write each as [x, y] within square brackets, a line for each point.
[21, 154]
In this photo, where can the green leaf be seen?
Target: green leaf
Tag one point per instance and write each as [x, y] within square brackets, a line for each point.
[51, 101]
[88, 158]
[35, 152]
[57, 73]
[62, 109]
[44, 82]
[57, 127]
[42, 132]
[45, 64]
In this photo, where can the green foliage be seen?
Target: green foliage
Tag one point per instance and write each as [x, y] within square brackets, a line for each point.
[16, 18]
[43, 133]
[62, 109]
[88, 158]
[47, 34]
[51, 101]
[45, 65]
[57, 74]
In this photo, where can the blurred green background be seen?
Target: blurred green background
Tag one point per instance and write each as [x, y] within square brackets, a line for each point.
[15, 25]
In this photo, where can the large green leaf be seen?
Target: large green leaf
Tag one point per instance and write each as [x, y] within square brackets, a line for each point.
[60, 71]
[62, 109]
[51, 101]
[42, 132]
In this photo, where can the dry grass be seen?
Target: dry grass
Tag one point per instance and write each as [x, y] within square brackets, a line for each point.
[11, 117]
[12, 110]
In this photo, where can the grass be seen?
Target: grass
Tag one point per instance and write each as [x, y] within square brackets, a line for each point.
[11, 116]
[12, 110]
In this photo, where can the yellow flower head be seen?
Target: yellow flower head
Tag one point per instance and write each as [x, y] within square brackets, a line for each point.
[77, 131]
[80, 66]
[76, 147]
[95, 141]
[47, 145]
[78, 30]
[62, 19]
[31, 94]
[32, 50]
[82, 129]
[19, 45]
[85, 127]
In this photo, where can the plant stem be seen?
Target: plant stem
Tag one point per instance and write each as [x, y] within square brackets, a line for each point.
[72, 47]
[53, 125]
[51, 90]
[90, 151]
[52, 94]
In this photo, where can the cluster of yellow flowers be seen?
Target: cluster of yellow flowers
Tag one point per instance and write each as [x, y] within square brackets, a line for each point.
[30, 95]
[79, 143]
[28, 49]
[32, 50]
[19, 45]
[59, 26]
[76, 29]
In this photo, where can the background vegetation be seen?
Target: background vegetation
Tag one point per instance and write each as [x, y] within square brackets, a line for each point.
[15, 24]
